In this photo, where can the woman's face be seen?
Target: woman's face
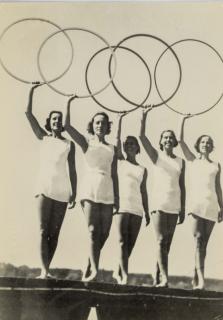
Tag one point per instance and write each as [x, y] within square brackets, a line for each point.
[167, 140]
[131, 146]
[205, 145]
[56, 122]
[100, 125]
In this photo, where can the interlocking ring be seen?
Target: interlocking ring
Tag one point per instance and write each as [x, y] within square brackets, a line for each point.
[74, 93]
[45, 21]
[135, 105]
[168, 47]
[165, 101]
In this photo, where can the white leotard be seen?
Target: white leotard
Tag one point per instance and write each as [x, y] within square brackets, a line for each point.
[165, 194]
[97, 183]
[201, 197]
[130, 177]
[54, 180]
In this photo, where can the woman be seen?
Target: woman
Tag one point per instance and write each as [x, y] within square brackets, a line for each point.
[204, 197]
[56, 183]
[167, 198]
[99, 189]
[133, 201]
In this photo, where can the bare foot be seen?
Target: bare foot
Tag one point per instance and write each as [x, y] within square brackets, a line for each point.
[124, 279]
[156, 282]
[45, 275]
[91, 277]
[199, 287]
[117, 277]
[162, 284]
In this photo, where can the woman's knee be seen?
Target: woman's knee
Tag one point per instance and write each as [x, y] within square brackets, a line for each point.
[93, 233]
[123, 240]
[200, 242]
[162, 242]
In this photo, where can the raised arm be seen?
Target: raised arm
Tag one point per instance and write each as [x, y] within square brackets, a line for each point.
[186, 151]
[219, 193]
[118, 138]
[150, 150]
[183, 194]
[143, 189]
[72, 174]
[75, 135]
[37, 129]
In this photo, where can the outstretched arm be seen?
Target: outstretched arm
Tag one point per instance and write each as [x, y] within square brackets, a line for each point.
[150, 150]
[75, 135]
[37, 129]
[118, 138]
[186, 151]
[219, 193]
[144, 194]
[182, 194]
[73, 174]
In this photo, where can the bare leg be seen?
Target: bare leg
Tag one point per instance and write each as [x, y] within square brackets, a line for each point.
[122, 221]
[157, 276]
[133, 231]
[56, 220]
[106, 215]
[92, 214]
[87, 271]
[44, 209]
[171, 226]
[202, 229]
[195, 279]
[134, 225]
[164, 224]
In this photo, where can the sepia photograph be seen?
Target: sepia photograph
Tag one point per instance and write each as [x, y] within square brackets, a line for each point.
[111, 160]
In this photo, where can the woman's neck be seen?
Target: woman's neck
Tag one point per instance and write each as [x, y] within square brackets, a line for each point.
[131, 159]
[99, 139]
[204, 157]
[169, 153]
[57, 135]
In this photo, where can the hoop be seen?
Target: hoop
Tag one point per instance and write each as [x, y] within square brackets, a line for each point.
[98, 102]
[74, 94]
[168, 47]
[41, 20]
[165, 102]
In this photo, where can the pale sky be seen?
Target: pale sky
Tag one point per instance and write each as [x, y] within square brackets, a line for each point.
[201, 86]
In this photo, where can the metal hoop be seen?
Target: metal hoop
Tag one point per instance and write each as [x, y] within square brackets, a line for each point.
[168, 47]
[41, 20]
[72, 94]
[165, 102]
[98, 102]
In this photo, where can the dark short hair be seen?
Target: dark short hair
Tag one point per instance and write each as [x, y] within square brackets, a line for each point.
[197, 143]
[136, 141]
[174, 137]
[90, 124]
[47, 125]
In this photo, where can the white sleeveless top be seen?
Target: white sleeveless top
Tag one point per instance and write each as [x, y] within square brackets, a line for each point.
[200, 189]
[130, 177]
[165, 192]
[54, 180]
[97, 183]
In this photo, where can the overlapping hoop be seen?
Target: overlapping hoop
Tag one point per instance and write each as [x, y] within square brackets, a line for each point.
[45, 21]
[168, 47]
[165, 102]
[74, 94]
[98, 102]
